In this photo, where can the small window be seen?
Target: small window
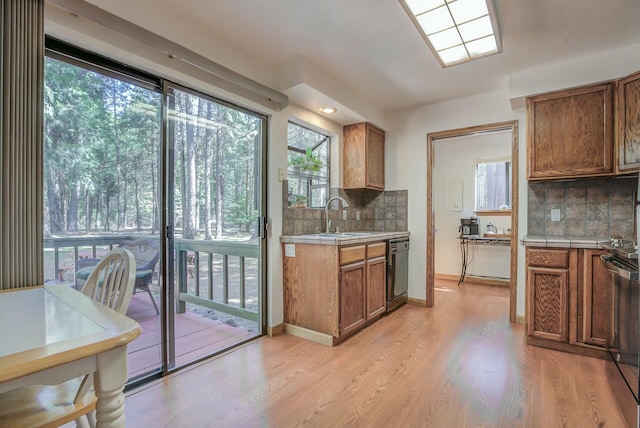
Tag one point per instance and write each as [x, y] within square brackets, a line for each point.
[308, 167]
[493, 186]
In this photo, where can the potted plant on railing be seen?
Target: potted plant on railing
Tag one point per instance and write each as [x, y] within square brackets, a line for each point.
[297, 201]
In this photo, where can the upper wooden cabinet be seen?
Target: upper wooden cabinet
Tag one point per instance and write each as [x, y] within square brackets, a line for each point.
[363, 157]
[628, 123]
[570, 133]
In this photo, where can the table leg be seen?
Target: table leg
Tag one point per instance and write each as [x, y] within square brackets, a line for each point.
[109, 382]
[464, 247]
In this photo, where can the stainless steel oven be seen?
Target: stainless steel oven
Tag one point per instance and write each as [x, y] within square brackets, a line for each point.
[624, 345]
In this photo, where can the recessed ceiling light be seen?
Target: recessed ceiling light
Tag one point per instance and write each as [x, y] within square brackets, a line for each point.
[456, 31]
[328, 110]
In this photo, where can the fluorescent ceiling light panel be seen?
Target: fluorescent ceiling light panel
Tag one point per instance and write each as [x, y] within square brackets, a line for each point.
[418, 7]
[456, 30]
[467, 10]
[445, 39]
[436, 20]
[476, 29]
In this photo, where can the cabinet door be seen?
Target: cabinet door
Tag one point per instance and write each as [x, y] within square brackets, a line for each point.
[547, 311]
[594, 314]
[352, 308]
[363, 157]
[628, 133]
[375, 158]
[570, 133]
[376, 286]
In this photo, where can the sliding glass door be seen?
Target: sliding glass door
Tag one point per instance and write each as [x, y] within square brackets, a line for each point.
[175, 177]
[215, 206]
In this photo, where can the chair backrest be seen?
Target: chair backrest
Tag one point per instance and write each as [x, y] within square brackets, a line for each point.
[111, 282]
[145, 251]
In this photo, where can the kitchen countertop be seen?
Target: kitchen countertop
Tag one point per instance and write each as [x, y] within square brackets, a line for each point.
[343, 238]
[563, 242]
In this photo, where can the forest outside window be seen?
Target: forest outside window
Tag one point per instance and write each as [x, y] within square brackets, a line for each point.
[493, 187]
[308, 167]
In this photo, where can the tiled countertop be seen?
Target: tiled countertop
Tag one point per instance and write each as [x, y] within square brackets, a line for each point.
[345, 238]
[562, 241]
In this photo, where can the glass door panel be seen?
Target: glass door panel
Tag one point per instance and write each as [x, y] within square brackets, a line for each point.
[215, 203]
[102, 135]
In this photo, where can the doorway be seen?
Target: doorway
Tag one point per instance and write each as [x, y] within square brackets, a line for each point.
[443, 136]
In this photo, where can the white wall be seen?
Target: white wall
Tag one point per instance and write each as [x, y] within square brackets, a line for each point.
[455, 159]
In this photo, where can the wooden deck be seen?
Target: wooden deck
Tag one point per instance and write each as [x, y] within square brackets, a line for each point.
[196, 336]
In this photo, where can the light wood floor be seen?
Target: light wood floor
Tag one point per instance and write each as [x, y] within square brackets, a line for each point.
[460, 364]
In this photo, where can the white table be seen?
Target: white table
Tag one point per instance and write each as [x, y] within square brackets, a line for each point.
[54, 333]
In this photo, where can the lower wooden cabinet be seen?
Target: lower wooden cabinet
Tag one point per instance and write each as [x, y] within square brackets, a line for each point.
[568, 303]
[549, 292]
[595, 322]
[331, 292]
[352, 296]
[376, 287]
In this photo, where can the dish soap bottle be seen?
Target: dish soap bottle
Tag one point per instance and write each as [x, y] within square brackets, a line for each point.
[491, 228]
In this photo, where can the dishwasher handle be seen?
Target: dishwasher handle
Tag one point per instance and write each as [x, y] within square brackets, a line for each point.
[398, 246]
[617, 267]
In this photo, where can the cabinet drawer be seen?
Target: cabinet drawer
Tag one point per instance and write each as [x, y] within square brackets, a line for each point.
[548, 258]
[352, 254]
[378, 249]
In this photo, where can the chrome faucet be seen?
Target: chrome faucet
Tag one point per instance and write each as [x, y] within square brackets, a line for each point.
[345, 204]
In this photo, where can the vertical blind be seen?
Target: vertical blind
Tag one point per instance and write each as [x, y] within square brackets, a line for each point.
[21, 112]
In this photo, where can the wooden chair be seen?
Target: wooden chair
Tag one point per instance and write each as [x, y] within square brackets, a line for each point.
[111, 283]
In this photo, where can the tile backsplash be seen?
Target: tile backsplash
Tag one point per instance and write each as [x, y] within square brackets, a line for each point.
[592, 208]
[379, 211]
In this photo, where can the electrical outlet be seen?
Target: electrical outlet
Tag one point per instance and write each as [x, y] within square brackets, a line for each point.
[555, 214]
[344, 214]
[290, 250]
[358, 215]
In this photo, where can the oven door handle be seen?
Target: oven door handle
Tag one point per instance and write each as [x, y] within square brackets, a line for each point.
[616, 267]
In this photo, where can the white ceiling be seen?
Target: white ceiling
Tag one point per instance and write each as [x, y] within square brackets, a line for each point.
[370, 50]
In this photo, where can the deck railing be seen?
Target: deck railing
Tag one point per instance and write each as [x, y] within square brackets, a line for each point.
[189, 253]
[92, 243]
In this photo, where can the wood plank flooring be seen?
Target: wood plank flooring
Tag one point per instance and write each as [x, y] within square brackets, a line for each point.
[460, 364]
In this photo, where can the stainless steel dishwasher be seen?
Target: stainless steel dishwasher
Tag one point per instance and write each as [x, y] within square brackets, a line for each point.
[397, 273]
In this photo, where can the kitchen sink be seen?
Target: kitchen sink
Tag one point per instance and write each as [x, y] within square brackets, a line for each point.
[335, 234]
[347, 234]
[360, 233]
